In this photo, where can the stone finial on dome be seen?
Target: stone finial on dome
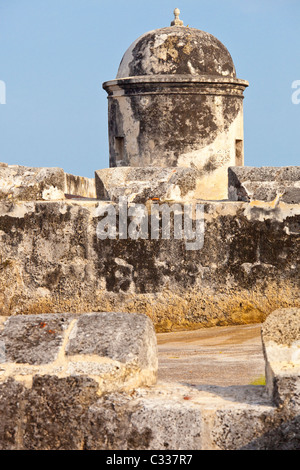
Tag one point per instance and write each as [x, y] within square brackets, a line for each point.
[177, 21]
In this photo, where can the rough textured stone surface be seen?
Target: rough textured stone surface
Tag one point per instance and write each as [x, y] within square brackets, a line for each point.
[264, 184]
[34, 339]
[80, 186]
[255, 429]
[55, 409]
[283, 327]
[144, 423]
[51, 260]
[117, 350]
[20, 183]
[67, 414]
[133, 336]
[11, 394]
[176, 50]
[141, 184]
[281, 343]
[56, 412]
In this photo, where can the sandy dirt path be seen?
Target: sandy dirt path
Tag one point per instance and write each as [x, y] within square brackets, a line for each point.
[220, 356]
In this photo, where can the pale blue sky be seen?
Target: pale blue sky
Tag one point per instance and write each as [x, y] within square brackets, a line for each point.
[55, 55]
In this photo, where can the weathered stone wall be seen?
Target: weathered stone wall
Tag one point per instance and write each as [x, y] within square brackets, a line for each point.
[21, 183]
[80, 186]
[264, 184]
[142, 184]
[68, 414]
[51, 260]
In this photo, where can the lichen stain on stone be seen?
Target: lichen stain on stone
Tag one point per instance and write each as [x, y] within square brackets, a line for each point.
[273, 210]
[179, 133]
[231, 109]
[173, 49]
[136, 66]
[210, 165]
[167, 51]
[187, 49]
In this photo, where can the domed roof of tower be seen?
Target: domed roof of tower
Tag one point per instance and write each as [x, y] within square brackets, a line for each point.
[177, 50]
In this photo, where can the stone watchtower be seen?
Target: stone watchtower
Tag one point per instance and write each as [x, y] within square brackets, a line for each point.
[176, 102]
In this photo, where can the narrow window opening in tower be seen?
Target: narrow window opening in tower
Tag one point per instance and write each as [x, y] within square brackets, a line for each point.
[119, 148]
[239, 160]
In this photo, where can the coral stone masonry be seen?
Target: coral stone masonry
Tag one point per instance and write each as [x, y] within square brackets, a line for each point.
[78, 386]
[117, 350]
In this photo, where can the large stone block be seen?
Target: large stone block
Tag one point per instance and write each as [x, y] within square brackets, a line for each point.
[11, 397]
[281, 343]
[176, 417]
[117, 350]
[126, 344]
[55, 409]
[34, 339]
[264, 184]
[66, 413]
[20, 183]
[148, 420]
[141, 184]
